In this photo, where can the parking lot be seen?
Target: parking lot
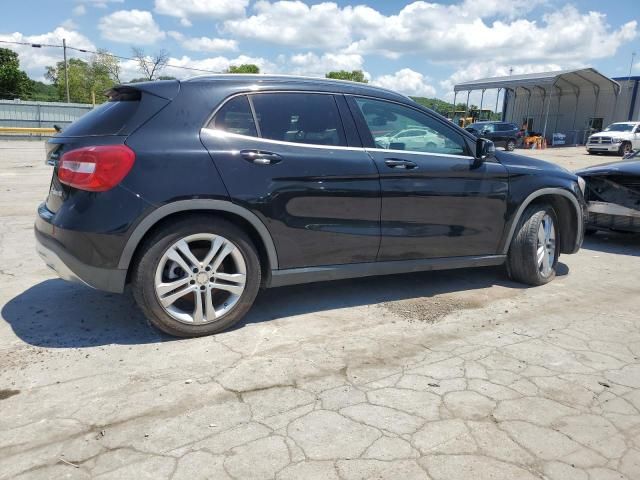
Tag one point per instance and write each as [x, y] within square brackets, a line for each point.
[441, 375]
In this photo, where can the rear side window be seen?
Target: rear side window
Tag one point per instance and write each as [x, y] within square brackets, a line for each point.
[299, 117]
[235, 117]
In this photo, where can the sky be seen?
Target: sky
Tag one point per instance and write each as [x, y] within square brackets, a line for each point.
[418, 48]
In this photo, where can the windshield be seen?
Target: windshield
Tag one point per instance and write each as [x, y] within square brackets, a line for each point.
[479, 126]
[620, 127]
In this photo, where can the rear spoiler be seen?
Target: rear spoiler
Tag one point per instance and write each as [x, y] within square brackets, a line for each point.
[166, 89]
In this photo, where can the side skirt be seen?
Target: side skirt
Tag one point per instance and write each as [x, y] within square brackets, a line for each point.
[293, 276]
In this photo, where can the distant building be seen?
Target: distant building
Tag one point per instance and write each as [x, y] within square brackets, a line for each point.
[569, 103]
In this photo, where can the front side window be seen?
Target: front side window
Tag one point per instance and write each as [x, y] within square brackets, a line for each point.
[396, 127]
[235, 117]
[310, 118]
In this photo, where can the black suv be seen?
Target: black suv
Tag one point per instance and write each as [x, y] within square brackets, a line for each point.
[199, 192]
[502, 134]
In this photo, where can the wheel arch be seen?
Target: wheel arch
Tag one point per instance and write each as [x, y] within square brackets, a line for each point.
[569, 214]
[230, 211]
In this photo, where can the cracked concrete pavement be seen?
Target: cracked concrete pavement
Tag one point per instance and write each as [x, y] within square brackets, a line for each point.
[442, 376]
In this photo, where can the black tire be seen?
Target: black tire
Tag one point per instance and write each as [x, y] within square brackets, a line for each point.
[625, 148]
[522, 264]
[151, 253]
[510, 146]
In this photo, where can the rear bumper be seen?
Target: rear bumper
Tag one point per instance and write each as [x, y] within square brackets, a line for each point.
[69, 267]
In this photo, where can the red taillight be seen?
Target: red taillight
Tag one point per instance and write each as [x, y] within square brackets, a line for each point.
[96, 169]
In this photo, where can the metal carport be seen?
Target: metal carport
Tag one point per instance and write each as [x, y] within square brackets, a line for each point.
[586, 85]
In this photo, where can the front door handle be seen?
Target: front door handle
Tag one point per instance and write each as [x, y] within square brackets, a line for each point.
[399, 163]
[260, 157]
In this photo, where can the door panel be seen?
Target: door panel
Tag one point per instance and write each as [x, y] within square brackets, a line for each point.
[436, 202]
[443, 207]
[321, 203]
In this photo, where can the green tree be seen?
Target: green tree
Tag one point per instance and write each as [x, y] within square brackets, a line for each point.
[43, 92]
[244, 68]
[14, 83]
[435, 104]
[86, 79]
[354, 75]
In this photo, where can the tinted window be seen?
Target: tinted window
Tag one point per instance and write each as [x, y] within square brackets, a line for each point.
[503, 127]
[389, 124]
[235, 117]
[299, 117]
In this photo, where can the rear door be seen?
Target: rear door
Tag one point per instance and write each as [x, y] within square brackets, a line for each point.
[291, 159]
[436, 200]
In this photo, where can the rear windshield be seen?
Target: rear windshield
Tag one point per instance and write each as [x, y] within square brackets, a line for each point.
[127, 109]
[106, 119]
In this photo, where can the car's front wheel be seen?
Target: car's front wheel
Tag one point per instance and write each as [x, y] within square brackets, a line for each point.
[197, 276]
[534, 251]
[625, 148]
[510, 146]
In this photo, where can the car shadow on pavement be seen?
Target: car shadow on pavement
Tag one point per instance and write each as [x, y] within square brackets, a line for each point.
[613, 242]
[58, 314]
[315, 297]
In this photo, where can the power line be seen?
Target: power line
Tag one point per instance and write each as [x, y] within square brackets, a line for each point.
[105, 53]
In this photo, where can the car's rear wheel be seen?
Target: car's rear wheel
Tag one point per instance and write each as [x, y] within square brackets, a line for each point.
[534, 251]
[510, 145]
[196, 277]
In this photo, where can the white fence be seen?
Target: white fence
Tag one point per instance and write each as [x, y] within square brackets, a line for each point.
[15, 113]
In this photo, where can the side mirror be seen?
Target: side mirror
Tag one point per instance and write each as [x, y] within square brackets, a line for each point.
[484, 149]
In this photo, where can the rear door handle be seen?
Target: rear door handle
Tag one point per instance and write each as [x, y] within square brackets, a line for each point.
[260, 157]
[399, 163]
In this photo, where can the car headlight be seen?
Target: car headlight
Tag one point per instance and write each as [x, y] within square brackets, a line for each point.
[582, 184]
[616, 140]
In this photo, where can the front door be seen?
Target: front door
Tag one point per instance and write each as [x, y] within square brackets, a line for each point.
[436, 200]
[288, 159]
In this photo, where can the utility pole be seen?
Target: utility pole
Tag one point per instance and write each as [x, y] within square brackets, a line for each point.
[66, 68]
[633, 58]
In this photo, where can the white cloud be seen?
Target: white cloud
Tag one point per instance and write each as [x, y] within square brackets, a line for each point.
[69, 24]
[442, 33]
[34, 60]
[99, 3]
[130, 26]
[204, 44]
[79, 10]
[439, 32]
[408, 82]
[212, 64]
[188, 9]
[293, 23]
[318, 65]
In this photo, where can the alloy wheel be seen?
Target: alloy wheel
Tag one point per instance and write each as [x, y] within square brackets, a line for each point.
[200, 278]
[546, 249]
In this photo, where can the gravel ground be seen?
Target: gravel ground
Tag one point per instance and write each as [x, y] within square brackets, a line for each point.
[443, 375]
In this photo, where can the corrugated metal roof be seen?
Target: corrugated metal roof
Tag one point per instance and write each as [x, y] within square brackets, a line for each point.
[574, 77]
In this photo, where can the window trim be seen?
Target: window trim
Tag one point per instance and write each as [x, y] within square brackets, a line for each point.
[361, 123]
[248, 94]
